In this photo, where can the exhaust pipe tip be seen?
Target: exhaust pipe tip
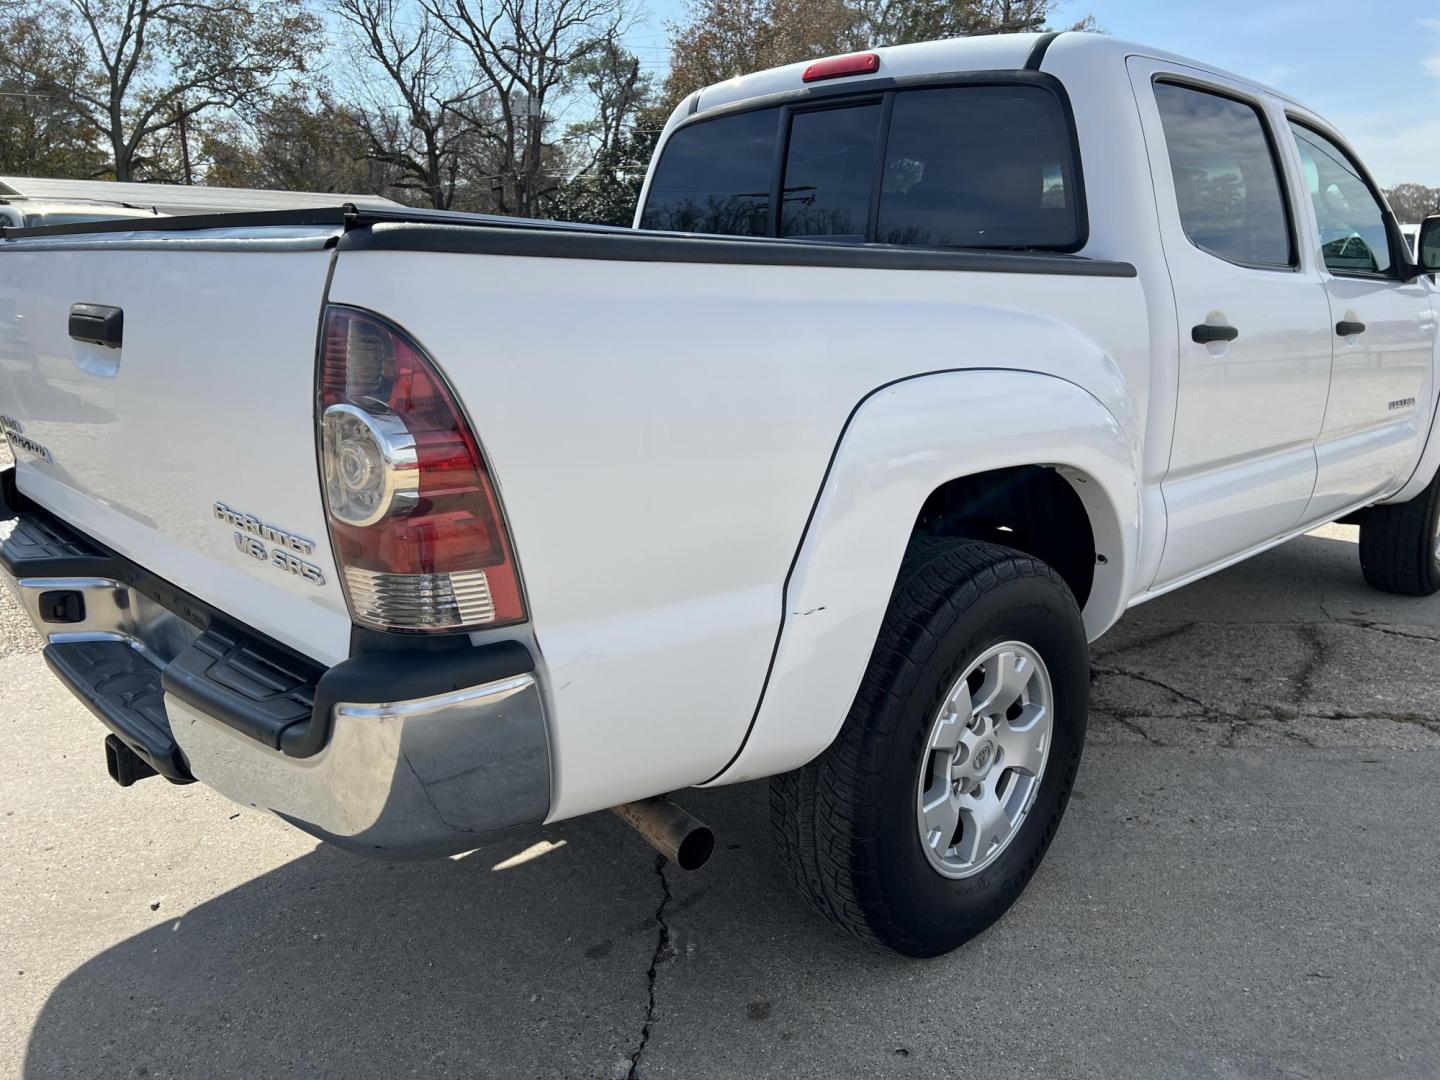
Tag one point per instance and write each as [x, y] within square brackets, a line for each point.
[678, 835]
[695, 850]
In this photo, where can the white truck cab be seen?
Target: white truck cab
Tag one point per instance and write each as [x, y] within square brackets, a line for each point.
[919, 368]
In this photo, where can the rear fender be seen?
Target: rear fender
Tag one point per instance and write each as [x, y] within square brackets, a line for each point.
[903, 442]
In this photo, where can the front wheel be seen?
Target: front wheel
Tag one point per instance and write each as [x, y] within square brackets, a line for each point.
[921, 824]
[1400, 544]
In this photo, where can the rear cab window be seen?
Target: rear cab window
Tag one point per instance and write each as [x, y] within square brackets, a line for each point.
[962, 166]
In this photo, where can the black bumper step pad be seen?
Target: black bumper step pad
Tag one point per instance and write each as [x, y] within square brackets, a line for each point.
[122, 688]
[40, 548]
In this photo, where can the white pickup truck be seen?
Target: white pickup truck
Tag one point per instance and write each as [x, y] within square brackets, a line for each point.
[415, 528]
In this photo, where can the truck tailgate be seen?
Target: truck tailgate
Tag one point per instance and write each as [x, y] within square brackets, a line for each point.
[190, 447]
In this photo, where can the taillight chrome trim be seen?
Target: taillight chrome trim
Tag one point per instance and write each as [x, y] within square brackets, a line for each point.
[397, 450]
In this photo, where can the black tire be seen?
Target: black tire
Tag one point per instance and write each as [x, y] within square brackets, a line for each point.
[1397, 544]
[845, 823]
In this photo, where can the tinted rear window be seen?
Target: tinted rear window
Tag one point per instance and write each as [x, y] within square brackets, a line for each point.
[714, 177]
[829, 167]
[965, 166]
[982, 166]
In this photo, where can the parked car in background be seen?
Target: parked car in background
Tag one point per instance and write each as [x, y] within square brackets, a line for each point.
[415, 528]
[27, 201]
[30, 213]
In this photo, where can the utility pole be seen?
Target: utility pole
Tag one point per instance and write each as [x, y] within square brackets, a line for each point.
[185, 146]
[528, 168]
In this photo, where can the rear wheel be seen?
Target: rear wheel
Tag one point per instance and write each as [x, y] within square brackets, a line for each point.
[1400, 544]
[928, 815]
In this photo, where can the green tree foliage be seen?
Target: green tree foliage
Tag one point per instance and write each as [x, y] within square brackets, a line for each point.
[608, 191]
[40, 134]
[720, 39]
[900, 22]
[146, 70]
[293, 144]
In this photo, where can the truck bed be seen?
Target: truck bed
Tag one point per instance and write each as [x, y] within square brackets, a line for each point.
[660, 412]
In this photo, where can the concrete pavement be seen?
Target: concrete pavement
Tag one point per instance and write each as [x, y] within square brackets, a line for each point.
[1247, 885]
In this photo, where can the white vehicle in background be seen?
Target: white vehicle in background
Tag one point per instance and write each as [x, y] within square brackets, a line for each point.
[1411, 233]
[32, 201]
[415, 528]
[33, 213]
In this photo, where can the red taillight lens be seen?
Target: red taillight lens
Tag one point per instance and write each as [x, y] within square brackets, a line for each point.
[837, 66]
[417, 530]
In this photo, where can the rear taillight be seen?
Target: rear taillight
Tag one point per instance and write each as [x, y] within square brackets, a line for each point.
[418, 532]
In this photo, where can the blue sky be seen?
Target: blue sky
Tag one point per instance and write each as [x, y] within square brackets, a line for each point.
[1370, 68]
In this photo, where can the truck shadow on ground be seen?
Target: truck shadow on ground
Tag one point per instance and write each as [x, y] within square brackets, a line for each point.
[522, 960]
[493, 964]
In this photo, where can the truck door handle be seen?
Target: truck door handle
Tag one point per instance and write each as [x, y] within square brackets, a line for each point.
[1346, 328]
[97, 324]
[1205, 334]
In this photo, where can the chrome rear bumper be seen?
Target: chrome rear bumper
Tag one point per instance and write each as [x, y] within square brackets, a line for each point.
[391, 754]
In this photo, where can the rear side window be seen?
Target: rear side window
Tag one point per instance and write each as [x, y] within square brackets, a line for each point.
[1353, 234]
[984, 166]
[829, 167]
[981, 166]
[1226, 180]
[714, 177]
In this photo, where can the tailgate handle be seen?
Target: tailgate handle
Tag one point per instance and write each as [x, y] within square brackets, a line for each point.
[98, 324]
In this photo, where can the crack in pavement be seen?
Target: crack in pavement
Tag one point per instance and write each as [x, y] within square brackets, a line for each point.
[1383, 628]
[663, 951]
[1237, 722]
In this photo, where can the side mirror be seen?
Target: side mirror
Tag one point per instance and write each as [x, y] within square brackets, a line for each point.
[1427, 246]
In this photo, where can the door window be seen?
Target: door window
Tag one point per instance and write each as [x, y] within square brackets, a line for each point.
[714, 177]
[1227, 183]
[1351, 220]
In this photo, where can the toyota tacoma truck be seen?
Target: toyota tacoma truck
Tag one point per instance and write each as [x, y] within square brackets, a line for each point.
[919, 367]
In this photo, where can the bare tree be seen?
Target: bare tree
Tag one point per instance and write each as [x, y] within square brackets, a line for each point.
[617, 90]
[414, 116]
[1413, 202]
[150, 67]
[525, 53]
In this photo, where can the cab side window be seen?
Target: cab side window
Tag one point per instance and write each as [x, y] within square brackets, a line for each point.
[1227, 182]
[1353, 235]
[979, 166]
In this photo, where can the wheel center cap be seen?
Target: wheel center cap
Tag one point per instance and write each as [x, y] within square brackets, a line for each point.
[983, 755]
